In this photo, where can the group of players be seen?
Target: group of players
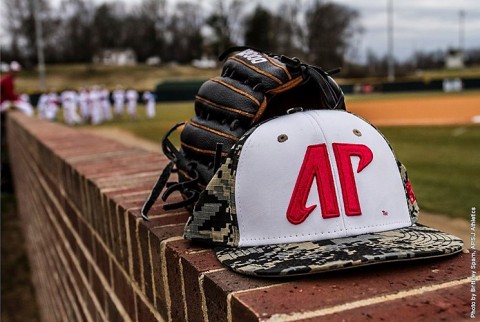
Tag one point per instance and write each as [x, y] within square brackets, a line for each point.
[94, 105]
[88, 105]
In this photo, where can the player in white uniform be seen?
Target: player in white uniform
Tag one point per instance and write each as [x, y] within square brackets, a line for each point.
[149, 100]
[51, 109]
[132, 98]
[105, 101]
[69, 105]
[119, 100]
[84, 104]
[96, 110]
[42, 105]
[24, 105]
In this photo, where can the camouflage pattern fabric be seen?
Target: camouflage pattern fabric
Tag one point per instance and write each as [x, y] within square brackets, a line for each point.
[326, 255]
[214, 218]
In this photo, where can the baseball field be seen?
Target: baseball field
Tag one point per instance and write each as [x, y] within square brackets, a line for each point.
[431, 133]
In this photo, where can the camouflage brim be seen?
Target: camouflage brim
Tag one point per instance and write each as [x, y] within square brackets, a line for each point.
[415, 242]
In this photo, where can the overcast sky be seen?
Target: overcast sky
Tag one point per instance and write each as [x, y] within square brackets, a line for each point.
[418, 24]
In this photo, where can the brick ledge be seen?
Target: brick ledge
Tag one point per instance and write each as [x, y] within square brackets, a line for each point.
[80, 207]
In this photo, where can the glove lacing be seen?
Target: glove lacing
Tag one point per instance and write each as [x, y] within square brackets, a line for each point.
[187, 188]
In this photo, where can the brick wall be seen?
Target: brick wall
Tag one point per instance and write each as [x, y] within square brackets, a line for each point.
[94, 259]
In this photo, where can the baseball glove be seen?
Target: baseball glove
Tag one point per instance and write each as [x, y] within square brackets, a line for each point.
[254, 86]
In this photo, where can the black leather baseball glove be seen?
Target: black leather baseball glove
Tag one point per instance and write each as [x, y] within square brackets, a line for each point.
[254, 86]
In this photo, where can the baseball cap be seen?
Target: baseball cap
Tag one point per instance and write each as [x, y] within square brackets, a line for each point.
[310, 192]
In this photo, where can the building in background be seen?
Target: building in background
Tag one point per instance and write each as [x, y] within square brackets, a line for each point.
[118, 57]
[454, 59]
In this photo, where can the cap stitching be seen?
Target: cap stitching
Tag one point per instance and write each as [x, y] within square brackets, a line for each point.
[323, 233]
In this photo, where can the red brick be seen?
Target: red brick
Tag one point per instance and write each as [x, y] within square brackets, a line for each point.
[194, 264]
[122, 286]
[144, 313]
[176, 273]
[159, 234]
[102, 259]
[333, 288]
[218, 285]
[112, 312]
[451, 304]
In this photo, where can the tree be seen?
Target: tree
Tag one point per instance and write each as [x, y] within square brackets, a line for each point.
[185, 40]
[290, 35]
[225, 24]
[75, 30]
[259, 30]
[106, 25]
[143, 29]
[329, 29]
[20, 24]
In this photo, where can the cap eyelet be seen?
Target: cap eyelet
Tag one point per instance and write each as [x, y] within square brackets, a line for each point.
[357, 132]
[282, 138]
[294, 110]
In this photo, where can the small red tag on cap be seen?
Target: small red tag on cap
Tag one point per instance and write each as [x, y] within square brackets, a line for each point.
[410, 193]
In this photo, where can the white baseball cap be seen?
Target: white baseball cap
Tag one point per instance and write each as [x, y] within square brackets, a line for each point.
[310, 192]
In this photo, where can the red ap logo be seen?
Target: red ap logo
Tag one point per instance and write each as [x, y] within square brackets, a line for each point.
[316, 165]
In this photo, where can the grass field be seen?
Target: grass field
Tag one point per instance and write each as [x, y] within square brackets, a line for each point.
[144, 77]
[443, 161]
[139, 77]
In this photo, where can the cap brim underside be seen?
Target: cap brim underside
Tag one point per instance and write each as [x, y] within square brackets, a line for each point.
[314, 257]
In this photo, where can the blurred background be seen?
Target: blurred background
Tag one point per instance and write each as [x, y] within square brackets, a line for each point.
[410, 67]
[366, 38]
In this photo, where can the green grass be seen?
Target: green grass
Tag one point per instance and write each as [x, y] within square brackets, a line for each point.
[443, 161]
[144, 77]
[76, 76]
[168, 114]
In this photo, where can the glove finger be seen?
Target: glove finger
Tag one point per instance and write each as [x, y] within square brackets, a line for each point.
[199, 141]
[225, 98]
[259, 68]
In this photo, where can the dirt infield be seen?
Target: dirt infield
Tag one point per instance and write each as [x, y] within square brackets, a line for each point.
[422, 110]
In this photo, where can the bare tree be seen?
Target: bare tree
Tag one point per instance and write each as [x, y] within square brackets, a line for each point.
[259, 29]
[226, 24]
[185, 40]
[19, 22]
[290, 31]
[330, 27]
[144, 28]
[75, 32]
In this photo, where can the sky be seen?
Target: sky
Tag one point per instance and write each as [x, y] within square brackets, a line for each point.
[419, 25]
